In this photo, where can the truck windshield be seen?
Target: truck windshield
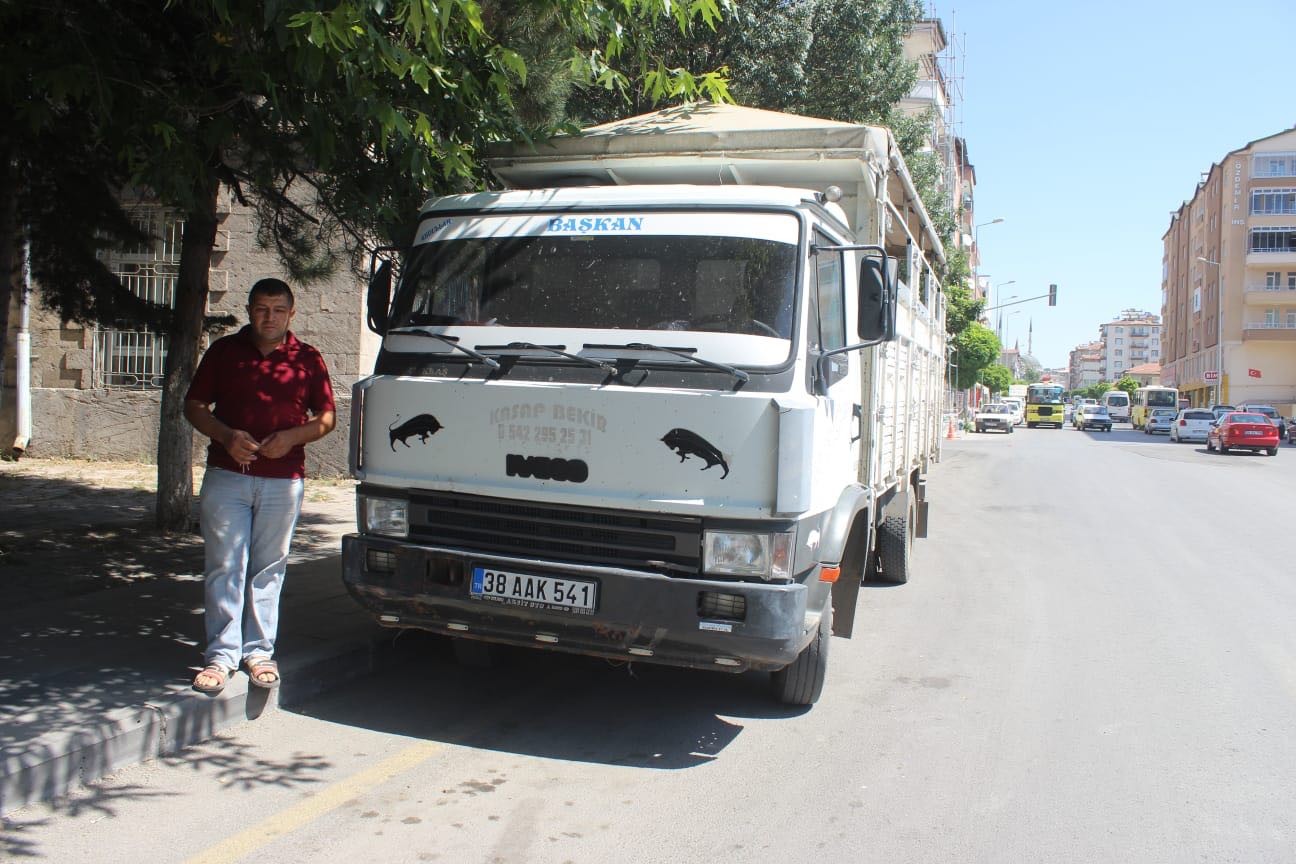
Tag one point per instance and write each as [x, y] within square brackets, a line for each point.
[518, 272]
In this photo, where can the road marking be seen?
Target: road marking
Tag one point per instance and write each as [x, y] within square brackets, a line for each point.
[304, 812]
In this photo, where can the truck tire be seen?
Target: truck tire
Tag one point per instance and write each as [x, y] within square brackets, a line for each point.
[895, 543]
[801, 681]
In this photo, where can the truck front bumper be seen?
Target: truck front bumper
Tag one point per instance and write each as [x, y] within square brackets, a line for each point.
[697, 623]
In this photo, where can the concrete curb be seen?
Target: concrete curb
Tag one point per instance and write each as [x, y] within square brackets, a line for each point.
[55, 763]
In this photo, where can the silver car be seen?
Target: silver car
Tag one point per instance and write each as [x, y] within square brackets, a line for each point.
[1160, 420]
[1192, 424]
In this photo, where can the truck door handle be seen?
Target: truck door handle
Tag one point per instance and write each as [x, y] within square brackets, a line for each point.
[857, 412]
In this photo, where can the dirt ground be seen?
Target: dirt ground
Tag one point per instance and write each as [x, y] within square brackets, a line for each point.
[70, 527]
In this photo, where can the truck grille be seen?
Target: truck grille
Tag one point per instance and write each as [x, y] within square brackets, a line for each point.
[671, 544]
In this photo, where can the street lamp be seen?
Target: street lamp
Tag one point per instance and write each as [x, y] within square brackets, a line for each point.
[1219, 322]
[998, 304]
[999, 325]
[976, 248]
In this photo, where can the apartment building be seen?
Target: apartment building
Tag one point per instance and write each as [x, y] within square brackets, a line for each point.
[1133, 339]
[1085, 365]
[1228, 280]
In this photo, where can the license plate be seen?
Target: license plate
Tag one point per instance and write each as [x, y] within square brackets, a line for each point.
[1252, 432]
[579, 596]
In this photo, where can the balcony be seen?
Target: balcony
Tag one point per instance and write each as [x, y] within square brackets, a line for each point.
[1259, 294]
[1271, 259]
[1270, 331]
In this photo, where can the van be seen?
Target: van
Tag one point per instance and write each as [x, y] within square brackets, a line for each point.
[1118, 405]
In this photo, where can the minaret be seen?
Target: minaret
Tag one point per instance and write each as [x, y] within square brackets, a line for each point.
[1030, 332]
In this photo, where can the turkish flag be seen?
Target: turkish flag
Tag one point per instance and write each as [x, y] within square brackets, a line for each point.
[1254, 373]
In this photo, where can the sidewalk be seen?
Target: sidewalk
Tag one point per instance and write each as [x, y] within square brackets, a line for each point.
[101, 625]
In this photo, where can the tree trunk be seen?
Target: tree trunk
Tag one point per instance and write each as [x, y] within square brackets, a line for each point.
[9, 238]
[175, 435]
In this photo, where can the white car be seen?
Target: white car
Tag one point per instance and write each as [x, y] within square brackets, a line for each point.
[994, 416]
[1160, 420]
[1192, 424]
[1018, 410]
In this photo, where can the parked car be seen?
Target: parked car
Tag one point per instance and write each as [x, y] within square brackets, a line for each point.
[1018, 410]
[1160, 420]
[1268, 411]
[1092, 417]
[1220, 410]
[996, 415]
[1192, 424]
[1243, 431]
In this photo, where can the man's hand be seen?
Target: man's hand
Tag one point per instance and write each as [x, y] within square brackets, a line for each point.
[242, 447]
[277, 444]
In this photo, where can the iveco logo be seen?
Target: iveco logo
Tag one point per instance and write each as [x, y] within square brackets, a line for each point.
[544, 468]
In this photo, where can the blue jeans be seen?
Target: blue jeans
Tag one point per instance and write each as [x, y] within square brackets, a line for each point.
[247, 527]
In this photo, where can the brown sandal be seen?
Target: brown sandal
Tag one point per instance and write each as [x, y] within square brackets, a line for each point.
[212, 671]
[258, 666]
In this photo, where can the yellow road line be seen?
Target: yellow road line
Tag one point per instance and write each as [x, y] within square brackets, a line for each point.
[287, 821]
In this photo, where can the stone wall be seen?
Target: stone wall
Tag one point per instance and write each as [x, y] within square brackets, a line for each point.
[122, 425]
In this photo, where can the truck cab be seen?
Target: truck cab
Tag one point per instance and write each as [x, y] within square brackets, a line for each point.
[637, 422]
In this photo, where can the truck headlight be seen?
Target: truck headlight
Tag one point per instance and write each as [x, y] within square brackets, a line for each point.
[389, 516]
[740, 553]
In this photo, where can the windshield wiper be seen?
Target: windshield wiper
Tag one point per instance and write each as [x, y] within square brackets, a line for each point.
[686, 354]
[531, 346]
[452, 341]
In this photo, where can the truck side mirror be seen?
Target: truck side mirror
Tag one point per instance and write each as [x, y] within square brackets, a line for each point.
[877, 302]
[378, 300]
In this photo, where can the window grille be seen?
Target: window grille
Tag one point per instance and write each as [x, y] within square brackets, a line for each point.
[136, 359]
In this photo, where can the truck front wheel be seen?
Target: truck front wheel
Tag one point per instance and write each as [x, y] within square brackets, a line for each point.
[802, 680]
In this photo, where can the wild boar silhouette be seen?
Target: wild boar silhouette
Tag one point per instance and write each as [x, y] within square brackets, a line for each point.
[422, 425]
[687, 444]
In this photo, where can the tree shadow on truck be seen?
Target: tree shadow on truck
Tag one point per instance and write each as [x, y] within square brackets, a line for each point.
[554, 706]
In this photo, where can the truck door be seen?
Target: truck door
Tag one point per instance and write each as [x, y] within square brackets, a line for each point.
[839, 412]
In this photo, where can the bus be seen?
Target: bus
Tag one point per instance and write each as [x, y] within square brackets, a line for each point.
[1044, 406]
[1118, 405]
[1147, 398]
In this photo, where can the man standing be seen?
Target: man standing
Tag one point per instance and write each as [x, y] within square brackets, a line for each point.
[271, 396]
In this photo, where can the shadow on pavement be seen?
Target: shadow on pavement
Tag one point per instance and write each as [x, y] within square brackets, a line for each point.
[62, 537]
[553, 706]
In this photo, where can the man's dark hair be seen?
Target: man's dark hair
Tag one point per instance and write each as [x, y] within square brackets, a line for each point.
[271, 288]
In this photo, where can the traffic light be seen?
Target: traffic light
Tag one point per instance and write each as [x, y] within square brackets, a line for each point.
[1052, 295]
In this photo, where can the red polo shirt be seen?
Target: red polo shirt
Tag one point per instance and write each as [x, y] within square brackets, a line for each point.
[261, 395]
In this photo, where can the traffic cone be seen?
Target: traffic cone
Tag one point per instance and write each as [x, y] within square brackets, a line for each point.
[950, 433]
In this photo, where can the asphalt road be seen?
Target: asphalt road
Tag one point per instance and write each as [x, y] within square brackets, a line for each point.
[1095, 661]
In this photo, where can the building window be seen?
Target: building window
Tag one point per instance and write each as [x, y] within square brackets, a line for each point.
[1273, 280]
[1291, 320]
[1291, 281]
[1273, 240]
[1119, 352]
[1270, 202]
[1120, 341]
[1273, 165]
[1197, 299]
[136, 359]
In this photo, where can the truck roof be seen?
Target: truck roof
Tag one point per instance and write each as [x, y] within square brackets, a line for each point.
[676, 195]
[729, 145]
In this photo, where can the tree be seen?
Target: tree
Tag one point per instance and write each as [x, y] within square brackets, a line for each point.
[997, 377]
[834, 59]
[333, 123]
[1128, 384]
[976, 348]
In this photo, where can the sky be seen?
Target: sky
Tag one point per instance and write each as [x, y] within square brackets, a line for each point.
[1088, 123]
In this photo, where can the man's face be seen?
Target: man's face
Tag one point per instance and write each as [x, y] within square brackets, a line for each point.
[270, 316]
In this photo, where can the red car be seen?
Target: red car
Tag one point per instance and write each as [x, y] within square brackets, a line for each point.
[1241, 430]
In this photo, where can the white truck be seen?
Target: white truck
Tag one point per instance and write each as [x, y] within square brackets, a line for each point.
[669, 398]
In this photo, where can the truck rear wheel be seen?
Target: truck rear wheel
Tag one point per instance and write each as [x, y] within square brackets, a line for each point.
[895, 543]
[802, 680]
